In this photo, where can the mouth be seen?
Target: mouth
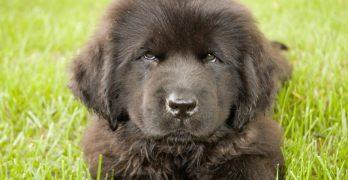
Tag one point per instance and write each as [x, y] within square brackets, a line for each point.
[179, 136]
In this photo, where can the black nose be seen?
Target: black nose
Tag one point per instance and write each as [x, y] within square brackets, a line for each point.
[181, 106]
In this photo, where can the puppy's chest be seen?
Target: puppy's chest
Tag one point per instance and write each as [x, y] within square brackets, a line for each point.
[170, 165]
[182, 167]
[177, 167]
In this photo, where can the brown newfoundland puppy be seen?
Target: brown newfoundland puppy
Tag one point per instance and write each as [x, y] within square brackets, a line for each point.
[181, 89]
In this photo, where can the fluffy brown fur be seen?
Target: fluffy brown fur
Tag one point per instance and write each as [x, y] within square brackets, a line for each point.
[221, 71]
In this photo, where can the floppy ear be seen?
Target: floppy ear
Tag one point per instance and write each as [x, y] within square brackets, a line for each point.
[89, 72]
[95, 70]
[263, 71]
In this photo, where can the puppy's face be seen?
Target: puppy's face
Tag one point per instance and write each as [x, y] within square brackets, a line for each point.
[181, 69]
[183, 75]
[187, 91]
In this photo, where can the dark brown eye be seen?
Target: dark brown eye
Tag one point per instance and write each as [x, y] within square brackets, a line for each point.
[150, 57]
[211, 58]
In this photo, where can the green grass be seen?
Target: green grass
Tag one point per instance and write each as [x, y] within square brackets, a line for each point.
[41, 124]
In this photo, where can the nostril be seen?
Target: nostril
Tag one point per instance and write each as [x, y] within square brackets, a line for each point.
[173, 105]
[190, 106]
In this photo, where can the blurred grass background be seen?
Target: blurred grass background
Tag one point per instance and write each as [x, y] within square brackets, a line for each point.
[41, 124]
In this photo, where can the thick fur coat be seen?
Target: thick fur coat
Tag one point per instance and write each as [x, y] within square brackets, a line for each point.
[181, 90]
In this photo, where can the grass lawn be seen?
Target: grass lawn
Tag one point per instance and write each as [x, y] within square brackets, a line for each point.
[41, 124]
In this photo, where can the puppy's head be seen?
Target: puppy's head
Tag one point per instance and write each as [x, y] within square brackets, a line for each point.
[176, 68]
